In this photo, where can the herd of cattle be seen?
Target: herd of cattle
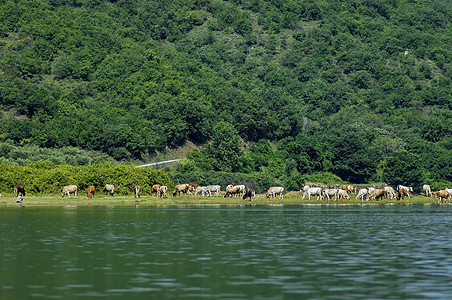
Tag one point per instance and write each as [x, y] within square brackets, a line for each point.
[370, 193]
[159, 190]
[186, 188]
[322, 192]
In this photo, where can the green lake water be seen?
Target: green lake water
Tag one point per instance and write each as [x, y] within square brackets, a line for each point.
[221, 252]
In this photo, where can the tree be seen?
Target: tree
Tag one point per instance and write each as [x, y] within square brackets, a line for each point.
[224, 152]
[403, 167]
[354, 160]
[135, 78]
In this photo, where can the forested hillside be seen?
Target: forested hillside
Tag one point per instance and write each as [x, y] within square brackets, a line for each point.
[356, 88]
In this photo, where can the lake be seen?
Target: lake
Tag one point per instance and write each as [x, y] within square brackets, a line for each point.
[227, 252]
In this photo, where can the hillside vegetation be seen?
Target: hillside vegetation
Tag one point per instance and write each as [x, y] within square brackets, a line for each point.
[355, 90]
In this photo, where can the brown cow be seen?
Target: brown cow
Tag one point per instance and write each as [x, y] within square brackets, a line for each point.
[232, 190]
[192, 187]
[180, 188]
[154, 189]
[90, 191]
[19, 189]
[442, 194]
[376, 194]
[401, 194]
[348, 188]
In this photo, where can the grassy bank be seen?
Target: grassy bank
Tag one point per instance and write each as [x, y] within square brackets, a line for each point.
[146, 200]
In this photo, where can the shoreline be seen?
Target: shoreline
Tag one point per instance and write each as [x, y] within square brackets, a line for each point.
[191, 200]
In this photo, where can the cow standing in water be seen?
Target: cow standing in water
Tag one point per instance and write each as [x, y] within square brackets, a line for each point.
[19, 189]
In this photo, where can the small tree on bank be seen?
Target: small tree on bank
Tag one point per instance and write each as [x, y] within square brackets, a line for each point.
[223, 153]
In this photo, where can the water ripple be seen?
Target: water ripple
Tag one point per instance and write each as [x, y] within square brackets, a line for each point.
[249, 252]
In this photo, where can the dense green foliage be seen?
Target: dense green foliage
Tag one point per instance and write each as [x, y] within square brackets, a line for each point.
[338, 87]
[48, 178]
[23, 155]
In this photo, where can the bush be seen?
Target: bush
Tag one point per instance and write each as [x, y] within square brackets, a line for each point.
[23, 155]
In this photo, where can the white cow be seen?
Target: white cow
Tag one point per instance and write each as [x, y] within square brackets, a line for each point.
[342, 194]
[215, 189]
[137, 191]
[162, 190]
[242, 189]
[275, 191]
[389, 192]
[110, 189]
[68, 189]
[201, 190]
[308, 191]
[330, 193]
[361, 193]
[427, 190]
